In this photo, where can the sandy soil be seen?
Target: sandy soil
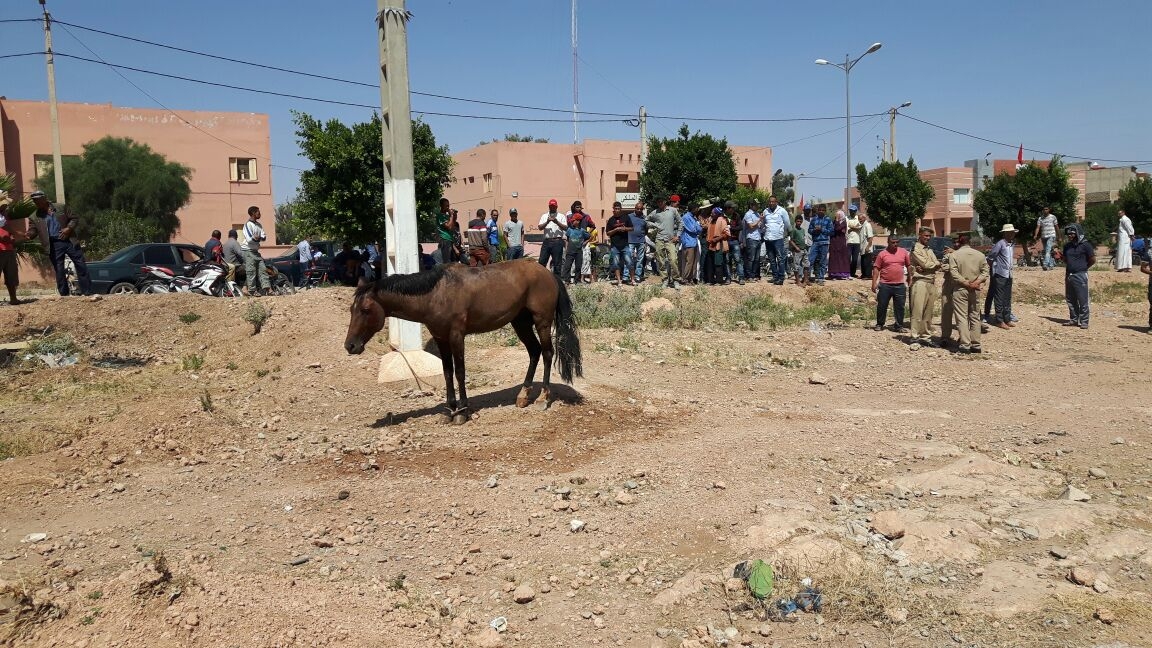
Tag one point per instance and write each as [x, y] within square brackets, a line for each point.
[922, 491]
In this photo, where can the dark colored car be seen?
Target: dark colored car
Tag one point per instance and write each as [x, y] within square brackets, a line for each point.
[937, 243]
[118, 273]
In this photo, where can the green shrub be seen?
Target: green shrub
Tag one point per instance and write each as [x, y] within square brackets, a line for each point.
[189, 318]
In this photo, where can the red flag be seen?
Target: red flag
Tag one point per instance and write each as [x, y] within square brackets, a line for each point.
[801, 202]
[1020, 155]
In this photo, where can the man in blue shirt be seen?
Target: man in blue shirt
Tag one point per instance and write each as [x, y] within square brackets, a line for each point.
[690, 243]
[820, 227]
[637, 246]
[1000, 257]
[753, 235]
[493, 233]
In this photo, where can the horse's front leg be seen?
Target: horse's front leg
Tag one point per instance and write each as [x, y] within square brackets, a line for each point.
[456, 341]
[449, 390]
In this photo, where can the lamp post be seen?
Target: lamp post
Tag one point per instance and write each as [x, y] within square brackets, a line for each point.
[892, 127]
[847, 66]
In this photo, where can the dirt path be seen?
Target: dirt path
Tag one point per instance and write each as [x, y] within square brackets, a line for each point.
[922, 491]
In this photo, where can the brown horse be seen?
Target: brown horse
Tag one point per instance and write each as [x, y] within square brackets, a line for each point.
[453, 301]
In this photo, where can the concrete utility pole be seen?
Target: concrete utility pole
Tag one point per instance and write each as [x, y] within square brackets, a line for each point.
[53, 115]
[892, 112]
[643, 138]
[575, 81]
[400, 234]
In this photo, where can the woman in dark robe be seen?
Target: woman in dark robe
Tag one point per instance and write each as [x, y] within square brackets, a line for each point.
[838, 266]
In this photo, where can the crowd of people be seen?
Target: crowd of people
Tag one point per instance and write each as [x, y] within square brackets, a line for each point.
[711, 242]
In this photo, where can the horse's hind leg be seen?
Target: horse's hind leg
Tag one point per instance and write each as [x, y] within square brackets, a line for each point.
[449, 390]
[459, 415]
[523, 327]
[544, 330]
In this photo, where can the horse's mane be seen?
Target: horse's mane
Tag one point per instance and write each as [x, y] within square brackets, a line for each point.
[420, 283]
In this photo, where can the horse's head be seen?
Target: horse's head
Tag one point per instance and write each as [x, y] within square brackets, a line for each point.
[368, 317]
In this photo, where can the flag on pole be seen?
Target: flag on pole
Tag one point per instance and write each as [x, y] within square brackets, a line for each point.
[1020, 155]
[801, 203]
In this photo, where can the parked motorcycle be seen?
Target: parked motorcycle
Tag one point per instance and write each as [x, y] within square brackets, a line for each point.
[203, 277]
[278, 282]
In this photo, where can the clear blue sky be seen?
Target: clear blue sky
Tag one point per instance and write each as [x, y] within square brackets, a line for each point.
[1057, 75]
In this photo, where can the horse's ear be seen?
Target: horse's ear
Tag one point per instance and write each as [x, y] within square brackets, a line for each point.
[362, 282]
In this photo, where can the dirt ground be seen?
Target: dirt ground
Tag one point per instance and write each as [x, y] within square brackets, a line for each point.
[200, 486]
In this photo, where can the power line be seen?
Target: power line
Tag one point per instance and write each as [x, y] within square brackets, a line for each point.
[20, 20]
[437, 95]
[174, 113]
[992, 141]
[8, 56]
[307, 98]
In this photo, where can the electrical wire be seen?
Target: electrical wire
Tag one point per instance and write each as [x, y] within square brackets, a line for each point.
[992, 141]
[20, 20]
[173, 112]
[437, 95]
[8, 56]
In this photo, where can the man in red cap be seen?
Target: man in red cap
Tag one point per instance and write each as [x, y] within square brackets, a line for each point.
[553, 225]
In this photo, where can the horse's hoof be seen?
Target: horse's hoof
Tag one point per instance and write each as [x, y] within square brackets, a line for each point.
[445, 418]
[521, 402]
[459, 419]
[545, 405]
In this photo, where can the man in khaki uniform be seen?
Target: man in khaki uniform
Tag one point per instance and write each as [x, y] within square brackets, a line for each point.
[968, 270]
[925, 265]
[946, 306]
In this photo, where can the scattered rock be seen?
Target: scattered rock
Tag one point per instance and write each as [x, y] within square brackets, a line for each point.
[487, 638]
[1083, 576]
[624, 498]
[118, 488]
[1100, 586]
[1097, 473]
[1075, 494]
[734, 585]
[342, 495]
[524, 594]
[817, 379]
[764, 630]
[33, 538]
[576, 526]
[1105, 616]
[1118, 441]
[898, 616]
[888, 524]
[1030, 532]
[719, 485]
[656, 304]
[492, 482]
[1059, 552]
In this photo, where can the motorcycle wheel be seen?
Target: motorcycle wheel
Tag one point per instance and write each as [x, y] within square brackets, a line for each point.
[281, 285]
[154, 288]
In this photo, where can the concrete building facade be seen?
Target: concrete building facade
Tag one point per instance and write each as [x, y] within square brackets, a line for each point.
[526, 175]
[229, 174]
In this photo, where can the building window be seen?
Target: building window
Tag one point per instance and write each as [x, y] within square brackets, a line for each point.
[43, 163]
[487, 182]
[242, 169]
[961, 196]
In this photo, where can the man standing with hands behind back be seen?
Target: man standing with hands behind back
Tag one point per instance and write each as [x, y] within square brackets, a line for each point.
[55, 228]
[968, 272]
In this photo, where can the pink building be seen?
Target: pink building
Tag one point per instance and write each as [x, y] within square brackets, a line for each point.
[525, 175]
[950, 210]
[228, 174]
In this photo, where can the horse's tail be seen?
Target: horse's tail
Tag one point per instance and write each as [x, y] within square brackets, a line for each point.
[567, 340]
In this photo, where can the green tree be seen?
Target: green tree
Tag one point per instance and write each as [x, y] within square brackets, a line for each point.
[289, 228]
[1019, 199]
[111, 229]
[1136, 201]
[783, 188]
[895, 193]
[695, 166]
[1100, 221]
[516, 137]
[745, 195]
[342, 196]
[117, 174]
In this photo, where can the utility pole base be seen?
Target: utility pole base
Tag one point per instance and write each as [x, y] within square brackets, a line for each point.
[399, 366]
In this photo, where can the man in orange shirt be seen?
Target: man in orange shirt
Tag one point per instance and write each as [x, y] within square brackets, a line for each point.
[891, 274]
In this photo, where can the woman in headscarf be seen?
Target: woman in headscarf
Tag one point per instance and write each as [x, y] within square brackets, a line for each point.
[838, 257]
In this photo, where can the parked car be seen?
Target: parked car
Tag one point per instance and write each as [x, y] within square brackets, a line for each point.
[117, 274]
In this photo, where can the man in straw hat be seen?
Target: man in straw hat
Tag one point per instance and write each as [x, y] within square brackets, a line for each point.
[1000, 258]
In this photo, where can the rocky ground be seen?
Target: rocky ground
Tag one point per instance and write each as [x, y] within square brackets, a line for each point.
[188, 483]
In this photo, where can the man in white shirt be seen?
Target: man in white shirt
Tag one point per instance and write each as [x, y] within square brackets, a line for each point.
[854, 241]
[776, 228]
[867, 232]
[553, 224]
[304, 252]
[255, 272]
[1047, 227]
[1124, 234]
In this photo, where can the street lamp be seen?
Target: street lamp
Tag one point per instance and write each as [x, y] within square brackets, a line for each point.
[847, 66]
[892, 126]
